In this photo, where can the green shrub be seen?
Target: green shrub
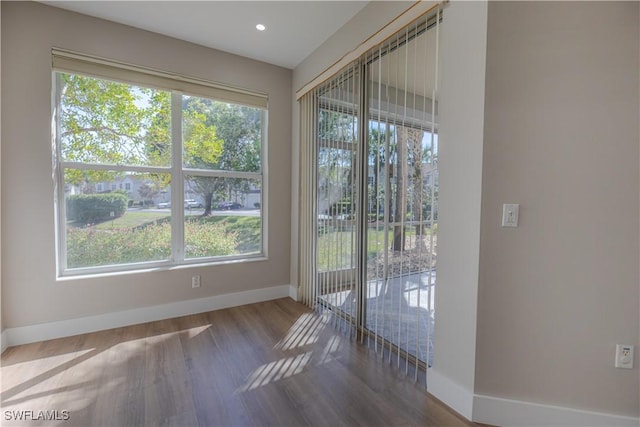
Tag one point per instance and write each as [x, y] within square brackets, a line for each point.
[88, 247]
[204, 239]
[246, 229]
[86, 208]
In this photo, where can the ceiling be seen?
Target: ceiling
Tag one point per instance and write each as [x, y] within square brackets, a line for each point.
[294, 28]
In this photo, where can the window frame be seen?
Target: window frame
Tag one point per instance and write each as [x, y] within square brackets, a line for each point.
[176, 170]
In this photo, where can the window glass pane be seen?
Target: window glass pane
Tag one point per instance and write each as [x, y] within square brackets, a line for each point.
[113, 148]
[336, 127]
[336, 241]
[336, 178]
[230, 221]
[115, 227]
[106, 122]
[221, 136]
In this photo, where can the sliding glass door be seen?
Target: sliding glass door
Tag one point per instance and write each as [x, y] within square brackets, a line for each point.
[376, 191]
[338, 198]
[402, 193]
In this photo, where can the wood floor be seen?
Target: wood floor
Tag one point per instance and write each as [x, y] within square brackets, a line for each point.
[273, 363]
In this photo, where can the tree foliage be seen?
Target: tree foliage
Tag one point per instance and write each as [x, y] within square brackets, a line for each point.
[337, 132]
[239, 129]
[148, 192]
[110, 123]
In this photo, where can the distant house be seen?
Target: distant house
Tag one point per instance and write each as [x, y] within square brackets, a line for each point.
[132, 184]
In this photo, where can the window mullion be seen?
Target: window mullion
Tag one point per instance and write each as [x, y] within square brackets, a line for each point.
[222, 174]
[264, 184]
[177, 179]
[114, 168]
[60, 199]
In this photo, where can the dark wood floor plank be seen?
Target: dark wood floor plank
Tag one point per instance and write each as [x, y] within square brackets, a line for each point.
[168, 391]
[215, 403]
[273, 363]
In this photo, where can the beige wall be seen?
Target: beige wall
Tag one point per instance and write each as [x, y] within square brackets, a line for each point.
[31, 293]
[561, 138]
[2, 345]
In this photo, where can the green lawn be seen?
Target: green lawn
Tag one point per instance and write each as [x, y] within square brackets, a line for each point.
[335, 248]
[131, 219]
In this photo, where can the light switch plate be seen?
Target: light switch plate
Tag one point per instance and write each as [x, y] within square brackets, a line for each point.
[510, 215]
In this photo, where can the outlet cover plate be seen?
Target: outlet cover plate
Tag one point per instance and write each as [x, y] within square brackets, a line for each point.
[195, 282]
[624, 356]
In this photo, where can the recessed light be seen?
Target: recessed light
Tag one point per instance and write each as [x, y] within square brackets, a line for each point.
[260, 27]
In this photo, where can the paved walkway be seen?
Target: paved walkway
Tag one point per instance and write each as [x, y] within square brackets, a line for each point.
[401, 310]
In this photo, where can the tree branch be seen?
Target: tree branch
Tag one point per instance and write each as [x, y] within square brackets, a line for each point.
[98, 129]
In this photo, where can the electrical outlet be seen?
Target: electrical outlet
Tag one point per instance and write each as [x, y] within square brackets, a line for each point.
[195, 281]
[624, 356]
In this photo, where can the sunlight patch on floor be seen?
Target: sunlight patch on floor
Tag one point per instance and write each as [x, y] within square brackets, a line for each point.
[304, 331]
[275, 371]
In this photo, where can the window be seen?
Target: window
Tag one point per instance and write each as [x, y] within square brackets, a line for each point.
[198, 157]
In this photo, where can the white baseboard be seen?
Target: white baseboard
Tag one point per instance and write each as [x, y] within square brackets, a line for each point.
[65, 328]
[506, 412]
[3, 341]
[450, 393]
[293, 292]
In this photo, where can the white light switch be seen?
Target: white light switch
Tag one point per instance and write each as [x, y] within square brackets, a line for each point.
[510, 215]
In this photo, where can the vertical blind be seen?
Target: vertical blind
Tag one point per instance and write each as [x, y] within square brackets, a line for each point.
[307, 226]
[402, 193]
[338, 198]
[368, 195]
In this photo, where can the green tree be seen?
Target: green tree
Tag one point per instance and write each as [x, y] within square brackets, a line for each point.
[238, 130]
[101, 121]
[337, 133]
[382, 150]
[106, 122]
[148, 192]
